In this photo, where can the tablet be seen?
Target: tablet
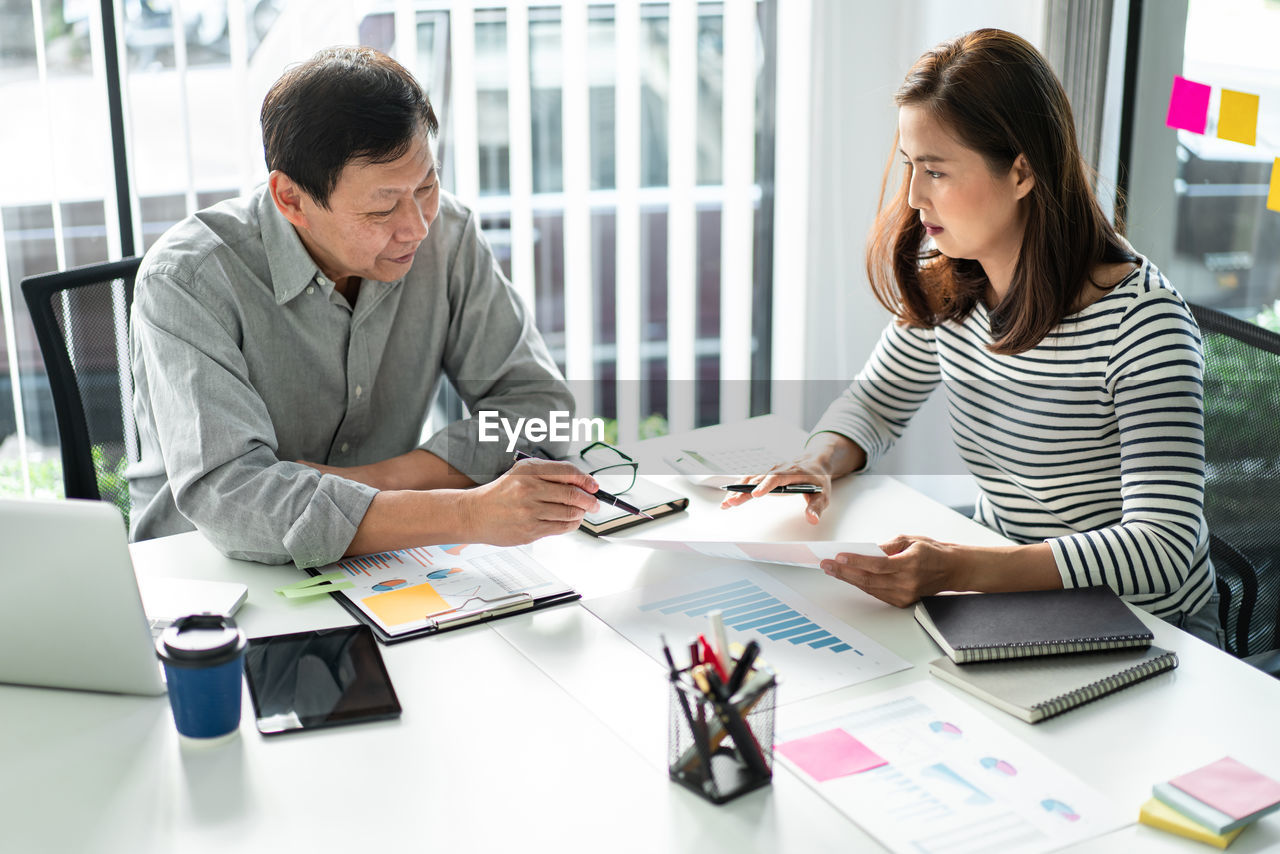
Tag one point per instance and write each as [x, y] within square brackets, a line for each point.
[320, 678]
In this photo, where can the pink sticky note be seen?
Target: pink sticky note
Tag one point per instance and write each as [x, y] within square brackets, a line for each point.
[1230, 787]
[830, 754]
[1188, 105]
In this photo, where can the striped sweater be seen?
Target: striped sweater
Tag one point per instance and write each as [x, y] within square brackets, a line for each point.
[1092, 441]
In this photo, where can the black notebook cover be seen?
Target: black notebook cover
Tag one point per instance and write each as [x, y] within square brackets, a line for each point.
[984, 626]
[652, 498]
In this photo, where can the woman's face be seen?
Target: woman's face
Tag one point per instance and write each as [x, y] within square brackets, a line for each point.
[969, 211]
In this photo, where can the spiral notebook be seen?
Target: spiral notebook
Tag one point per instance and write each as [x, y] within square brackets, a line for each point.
[986, 626]
[1044, 687]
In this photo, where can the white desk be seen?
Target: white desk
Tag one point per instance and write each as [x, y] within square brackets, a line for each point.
[548, 730]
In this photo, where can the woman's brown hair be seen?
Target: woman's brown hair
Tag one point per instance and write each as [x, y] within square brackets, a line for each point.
[999, 97]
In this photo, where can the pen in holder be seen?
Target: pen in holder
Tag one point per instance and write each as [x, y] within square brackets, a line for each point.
[719, 746]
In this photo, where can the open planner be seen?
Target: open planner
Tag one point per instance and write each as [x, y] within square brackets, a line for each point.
[428, 589]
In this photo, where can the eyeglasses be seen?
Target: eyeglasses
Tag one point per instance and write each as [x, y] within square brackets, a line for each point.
[612, 469]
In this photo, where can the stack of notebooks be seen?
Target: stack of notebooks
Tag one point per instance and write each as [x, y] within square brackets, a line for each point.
[1039, 653]
[1212, 804]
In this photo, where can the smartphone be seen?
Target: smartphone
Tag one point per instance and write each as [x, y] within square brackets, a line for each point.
[320, 678]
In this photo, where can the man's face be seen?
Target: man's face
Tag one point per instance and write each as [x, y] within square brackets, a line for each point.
[378, 215]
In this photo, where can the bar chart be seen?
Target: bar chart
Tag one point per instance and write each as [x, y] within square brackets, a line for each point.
[363, 564]
[811, 651]
[746, 607]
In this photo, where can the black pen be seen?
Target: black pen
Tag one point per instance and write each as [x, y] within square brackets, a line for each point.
[789, 489]
[740, 670]
[735, 725]
[697, 730]
[600, 494]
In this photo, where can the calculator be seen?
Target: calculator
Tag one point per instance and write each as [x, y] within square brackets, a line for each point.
[723, 467]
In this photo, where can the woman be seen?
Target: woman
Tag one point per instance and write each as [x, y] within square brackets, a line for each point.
[1072, 369]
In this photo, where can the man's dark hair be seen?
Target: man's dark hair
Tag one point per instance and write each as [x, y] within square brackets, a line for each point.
[343, 104]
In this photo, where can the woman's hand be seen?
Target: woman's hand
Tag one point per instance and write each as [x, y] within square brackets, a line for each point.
[805, 469]
[911, 568]
[826, 457]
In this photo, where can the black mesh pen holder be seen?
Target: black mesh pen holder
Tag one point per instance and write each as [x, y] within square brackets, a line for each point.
[720, 749]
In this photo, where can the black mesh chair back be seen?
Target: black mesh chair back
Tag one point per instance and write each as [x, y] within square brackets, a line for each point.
[1242, 473]
[81, 320]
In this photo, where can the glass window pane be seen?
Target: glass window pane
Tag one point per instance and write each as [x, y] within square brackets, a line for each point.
[548, 259]
[493, 129]
[653, 277]
[497, 230]
[710, 95]
[604, 269]
[66, 34]
[654, 73]
[602, 68]
[30, 249]
[84, 230]
[1227, 244]
[545, 70]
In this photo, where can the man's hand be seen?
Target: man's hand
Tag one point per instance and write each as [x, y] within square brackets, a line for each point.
[535, 499]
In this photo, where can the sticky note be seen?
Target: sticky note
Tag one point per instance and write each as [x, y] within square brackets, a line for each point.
[1238, 117]
[1273, 196]
[1188, 105]
[830, 754]
[406, 604]
[1230, 787]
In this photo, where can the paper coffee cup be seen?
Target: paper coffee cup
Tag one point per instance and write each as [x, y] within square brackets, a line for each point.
[203, 657]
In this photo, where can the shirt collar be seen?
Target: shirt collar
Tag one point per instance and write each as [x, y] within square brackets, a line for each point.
[291, 265]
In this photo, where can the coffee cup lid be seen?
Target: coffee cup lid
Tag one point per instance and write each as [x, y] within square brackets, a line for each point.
[201, 640]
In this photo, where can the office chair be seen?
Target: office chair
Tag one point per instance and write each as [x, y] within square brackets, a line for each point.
[81, 319]
[1242, 473]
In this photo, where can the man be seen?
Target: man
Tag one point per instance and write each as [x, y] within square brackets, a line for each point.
[287, 346]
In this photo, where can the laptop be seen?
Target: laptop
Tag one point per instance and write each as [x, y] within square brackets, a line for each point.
[71, 615]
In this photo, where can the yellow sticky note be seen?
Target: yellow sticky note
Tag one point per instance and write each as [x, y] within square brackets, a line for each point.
[1238, 117]
[1273, 197]
[405, 605]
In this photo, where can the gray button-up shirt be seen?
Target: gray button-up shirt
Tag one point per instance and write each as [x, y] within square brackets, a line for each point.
[245, 358]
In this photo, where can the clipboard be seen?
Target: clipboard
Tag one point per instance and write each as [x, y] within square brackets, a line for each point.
[427, 590]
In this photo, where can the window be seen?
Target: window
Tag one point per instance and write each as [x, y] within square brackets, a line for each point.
[617, 154]
[1198, 202]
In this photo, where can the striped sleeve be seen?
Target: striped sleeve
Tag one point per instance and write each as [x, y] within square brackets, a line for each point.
[896, 381]
[1154, 375]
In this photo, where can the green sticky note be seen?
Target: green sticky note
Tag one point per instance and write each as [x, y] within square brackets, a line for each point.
[318, 585]
[1238, 117]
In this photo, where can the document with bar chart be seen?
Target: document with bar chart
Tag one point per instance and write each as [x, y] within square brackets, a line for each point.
[789, 554]
[812, 651]
[923, 772]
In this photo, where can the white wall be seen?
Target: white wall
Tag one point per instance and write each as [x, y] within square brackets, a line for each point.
[861, 52]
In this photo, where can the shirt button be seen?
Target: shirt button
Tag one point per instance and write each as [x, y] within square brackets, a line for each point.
[310, 289]
[345, 446]
[359, 391]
